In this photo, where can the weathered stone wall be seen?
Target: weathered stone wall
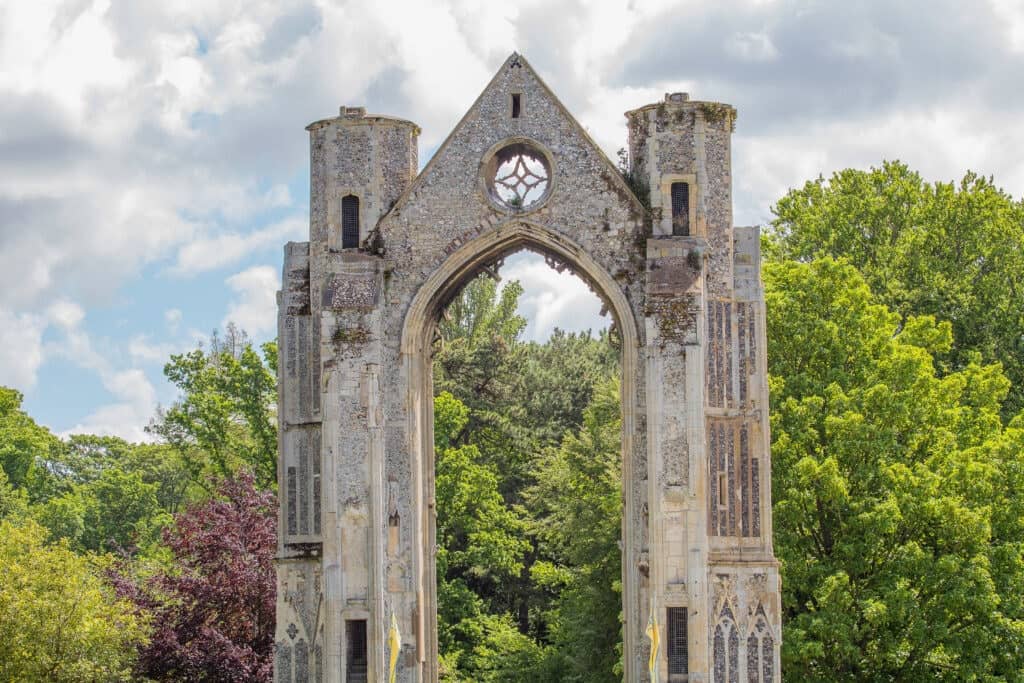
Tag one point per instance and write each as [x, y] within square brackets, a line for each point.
[447, 207]
[356, 327]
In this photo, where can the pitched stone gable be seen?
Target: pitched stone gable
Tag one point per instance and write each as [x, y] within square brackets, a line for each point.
[448, 202]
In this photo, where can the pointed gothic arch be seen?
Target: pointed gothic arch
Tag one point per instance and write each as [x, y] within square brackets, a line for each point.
[355, 404]
[443, 284]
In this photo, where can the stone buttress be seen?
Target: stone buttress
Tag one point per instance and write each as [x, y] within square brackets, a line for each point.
[358, 308]
[707, 416]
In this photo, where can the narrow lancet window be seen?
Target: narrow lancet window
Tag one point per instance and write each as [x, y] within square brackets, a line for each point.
[678, 657]
[349, 222]
[356, 655]
[680, 208]
[516, 105]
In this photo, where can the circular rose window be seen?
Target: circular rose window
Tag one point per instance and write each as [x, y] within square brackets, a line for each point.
[518, 176]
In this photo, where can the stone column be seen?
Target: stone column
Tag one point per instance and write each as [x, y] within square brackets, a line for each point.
[676, 547]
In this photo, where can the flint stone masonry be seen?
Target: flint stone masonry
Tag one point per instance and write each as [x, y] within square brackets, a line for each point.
[357, 521]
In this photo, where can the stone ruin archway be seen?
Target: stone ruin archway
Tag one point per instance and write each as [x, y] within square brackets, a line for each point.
[417, 339]
[356, 523]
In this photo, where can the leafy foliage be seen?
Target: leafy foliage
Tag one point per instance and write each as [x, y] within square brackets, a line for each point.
[213, 608]
[887, 482]
[59, 620]
[943, 249]
[528, 565]
[116, 511]
[577, 507]
[481, 542]
[223, 422]
[102, 493]
[25, 447]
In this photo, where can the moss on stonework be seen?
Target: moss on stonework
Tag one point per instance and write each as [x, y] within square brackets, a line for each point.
[693, 260]
[355, 335]
[716, 112]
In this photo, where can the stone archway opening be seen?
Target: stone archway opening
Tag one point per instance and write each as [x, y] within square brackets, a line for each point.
[483, 258]
[527, 425]
[356, 560]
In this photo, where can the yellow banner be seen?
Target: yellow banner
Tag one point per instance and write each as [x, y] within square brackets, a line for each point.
[655, 636]
[394, 644]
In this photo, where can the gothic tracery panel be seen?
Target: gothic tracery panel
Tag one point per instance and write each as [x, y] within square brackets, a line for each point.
[760, 650]
[735, 478]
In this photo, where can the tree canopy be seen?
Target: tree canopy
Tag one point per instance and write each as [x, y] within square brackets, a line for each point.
[893, 490]
[213, 605]
[528, 490]
[59, 619]
[952, 250]
[224, 421]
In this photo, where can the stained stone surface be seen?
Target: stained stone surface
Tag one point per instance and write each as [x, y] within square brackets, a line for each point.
[356, 540]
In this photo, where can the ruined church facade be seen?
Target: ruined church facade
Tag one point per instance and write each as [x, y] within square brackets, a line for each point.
[388, 249]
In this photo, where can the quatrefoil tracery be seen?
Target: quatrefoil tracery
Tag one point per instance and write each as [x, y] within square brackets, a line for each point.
[520, 177]
[521, 182]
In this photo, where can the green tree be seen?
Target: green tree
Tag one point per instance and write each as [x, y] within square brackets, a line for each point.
[893, 490]
[577, 507]
[86, 457]
[224, 420]
[481, 547]
[478, 357]
[13, 502]
[558, 379]
[952, 250]
[117, 511]
[25, 447]
[59, 620]
[503, 405]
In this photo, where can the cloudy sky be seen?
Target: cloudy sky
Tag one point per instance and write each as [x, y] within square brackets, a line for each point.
[153, 159]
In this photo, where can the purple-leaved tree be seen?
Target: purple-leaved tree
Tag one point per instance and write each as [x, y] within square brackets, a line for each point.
[213, 613]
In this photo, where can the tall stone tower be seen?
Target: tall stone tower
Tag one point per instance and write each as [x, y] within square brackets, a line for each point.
[389, 248]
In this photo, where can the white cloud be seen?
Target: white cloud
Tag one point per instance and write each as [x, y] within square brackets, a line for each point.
[212, 252]
[1012, 14]
[940, 146]
[551, 299]
[254, 306]
[142, 349]
[62, 50]
[751, 46]
[128, 415]
[134, 395]
[66, 314]
[21, 349]
[172, 316]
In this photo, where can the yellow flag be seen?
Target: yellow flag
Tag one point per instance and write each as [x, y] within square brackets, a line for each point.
[652, 633]
[394, 644]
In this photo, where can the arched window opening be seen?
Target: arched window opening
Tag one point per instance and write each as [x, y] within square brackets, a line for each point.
[680, 208]
[495, 352]
[760, 652]
[726, 648]
[349, 222]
